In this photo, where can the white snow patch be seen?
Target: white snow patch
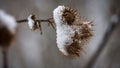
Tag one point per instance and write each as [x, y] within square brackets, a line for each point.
[31, 22]
[64, 31]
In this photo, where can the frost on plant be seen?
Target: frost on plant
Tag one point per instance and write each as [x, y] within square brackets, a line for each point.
[32, 22]
[72, 30]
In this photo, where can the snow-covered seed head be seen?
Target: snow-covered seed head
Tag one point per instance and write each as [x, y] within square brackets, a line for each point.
[32, 22]
[69, 15]
[7, 28]
[72, 30]
[7, 21]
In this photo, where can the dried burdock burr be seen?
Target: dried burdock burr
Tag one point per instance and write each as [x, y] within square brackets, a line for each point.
[73, 31]
[7, 33]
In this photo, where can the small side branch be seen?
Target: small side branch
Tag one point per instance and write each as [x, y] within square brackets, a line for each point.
[37, 23]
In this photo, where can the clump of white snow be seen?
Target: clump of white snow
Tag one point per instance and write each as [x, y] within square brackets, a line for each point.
[31, 22]
[63, 31]
[7, 21]
[69, 35]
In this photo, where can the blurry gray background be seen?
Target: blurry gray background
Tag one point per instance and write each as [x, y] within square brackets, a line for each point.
[32, 50]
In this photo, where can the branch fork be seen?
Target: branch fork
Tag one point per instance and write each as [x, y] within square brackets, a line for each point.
[35, 23]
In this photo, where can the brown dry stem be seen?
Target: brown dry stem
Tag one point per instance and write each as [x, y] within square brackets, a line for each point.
[50, 22]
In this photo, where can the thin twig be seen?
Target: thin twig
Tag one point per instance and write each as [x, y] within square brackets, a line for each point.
[21, 21]
[37, 23]
[50, 21]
